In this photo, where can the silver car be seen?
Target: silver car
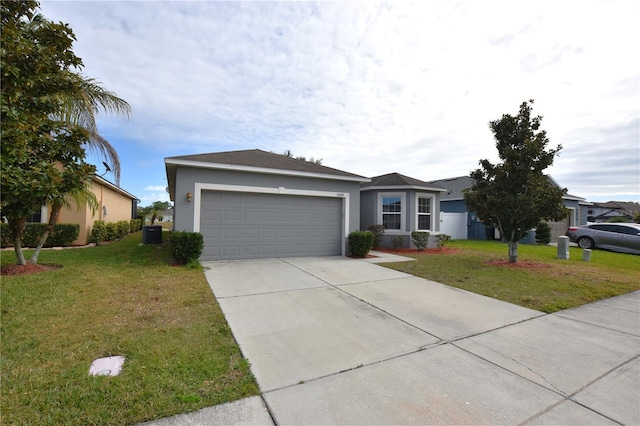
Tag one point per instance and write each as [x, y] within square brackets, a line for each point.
[622, 237]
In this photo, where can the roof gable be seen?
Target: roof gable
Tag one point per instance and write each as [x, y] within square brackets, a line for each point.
[398, 181]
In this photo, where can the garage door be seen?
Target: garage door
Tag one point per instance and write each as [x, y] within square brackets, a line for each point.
[238, 225]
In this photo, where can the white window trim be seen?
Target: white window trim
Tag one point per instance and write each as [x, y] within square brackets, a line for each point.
[432, 214]
[200, 187]
[403, 210]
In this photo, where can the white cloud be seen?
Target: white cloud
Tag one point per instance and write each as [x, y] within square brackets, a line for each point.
[155, 188]
[370, 87]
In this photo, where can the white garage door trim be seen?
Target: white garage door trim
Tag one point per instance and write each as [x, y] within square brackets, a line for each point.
[199, 187]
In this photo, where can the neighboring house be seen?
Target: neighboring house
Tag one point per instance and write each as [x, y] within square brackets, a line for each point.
[115, 204]
[402, 204]
[253, 204]
[167, 215]
[602, 212]
[460, 223]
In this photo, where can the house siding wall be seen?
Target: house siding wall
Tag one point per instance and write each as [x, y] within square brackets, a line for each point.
[369, 213]
[118, 208]
[187, 177]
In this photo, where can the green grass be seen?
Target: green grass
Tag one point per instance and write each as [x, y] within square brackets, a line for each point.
[117, 299]
[552, 286]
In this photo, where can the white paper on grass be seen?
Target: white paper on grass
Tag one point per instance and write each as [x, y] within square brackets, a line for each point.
[109, 366]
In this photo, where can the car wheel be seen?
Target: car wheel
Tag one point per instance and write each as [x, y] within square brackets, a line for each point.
[585, 243]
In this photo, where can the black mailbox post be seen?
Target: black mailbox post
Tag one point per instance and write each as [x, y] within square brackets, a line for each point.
[152, 234]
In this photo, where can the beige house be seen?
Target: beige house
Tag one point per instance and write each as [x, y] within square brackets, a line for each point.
[115, 204]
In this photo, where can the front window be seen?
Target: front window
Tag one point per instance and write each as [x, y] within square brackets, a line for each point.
[391, 210]
[425, 209]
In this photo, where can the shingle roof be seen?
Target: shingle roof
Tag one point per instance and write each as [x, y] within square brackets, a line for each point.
[399, 180]
[262, 159]
[454, 187]
[627, 206]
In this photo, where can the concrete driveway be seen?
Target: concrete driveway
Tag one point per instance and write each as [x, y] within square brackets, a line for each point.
[341, 341]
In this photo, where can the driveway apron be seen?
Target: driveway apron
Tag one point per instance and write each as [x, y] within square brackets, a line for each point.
[335, 340]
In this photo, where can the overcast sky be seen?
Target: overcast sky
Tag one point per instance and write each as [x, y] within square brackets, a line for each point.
[368, 87]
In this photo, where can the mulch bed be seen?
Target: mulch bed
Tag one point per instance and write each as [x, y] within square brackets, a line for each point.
[29, 268]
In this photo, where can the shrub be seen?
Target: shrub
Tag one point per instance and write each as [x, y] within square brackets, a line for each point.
[98, 232]
[441, 240]
[134, 225]
[32, 233]
[186, 247]
[620, 219]
[360, 242]
[63, 234]
[122, 228]
[397, 242]
[378, 232]
[543, 233]
[5, 235]
[112, 231]
[420, 239]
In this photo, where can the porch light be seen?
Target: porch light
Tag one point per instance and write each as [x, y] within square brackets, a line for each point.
[189, 196]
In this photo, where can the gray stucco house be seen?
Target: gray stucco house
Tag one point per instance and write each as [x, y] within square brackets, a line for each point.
[253, 204]
[460, 223]
[402, 204]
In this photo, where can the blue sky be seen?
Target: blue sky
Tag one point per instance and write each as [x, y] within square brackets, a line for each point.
[369, 87]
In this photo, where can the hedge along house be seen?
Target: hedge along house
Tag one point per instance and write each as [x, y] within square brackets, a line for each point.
[115, 204]
[253, 204]
[402, 204]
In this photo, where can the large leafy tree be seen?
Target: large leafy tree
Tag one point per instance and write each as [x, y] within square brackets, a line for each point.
[514, 194]
[42, 157]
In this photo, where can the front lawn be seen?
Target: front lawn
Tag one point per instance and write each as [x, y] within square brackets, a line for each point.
[118, 299]
[541, 281]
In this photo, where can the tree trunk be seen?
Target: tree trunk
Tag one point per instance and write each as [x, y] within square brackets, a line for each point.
[513, 251]
[53, 219]
[16, 227]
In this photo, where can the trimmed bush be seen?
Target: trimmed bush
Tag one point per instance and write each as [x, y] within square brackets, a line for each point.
[420, 239]
[135, 225]
[122, 228]
[186, 247]
[378, 232]
[441, 240]
[397, 241]
[98, 232]
[63, 235]
[543, 233]
[360, 242]
[112, 231]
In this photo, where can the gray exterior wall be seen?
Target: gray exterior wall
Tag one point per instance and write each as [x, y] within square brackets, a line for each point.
[187, 177]
[369, 214]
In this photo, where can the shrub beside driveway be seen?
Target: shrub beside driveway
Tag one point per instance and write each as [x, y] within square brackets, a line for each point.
[538, 281]
[118, 299]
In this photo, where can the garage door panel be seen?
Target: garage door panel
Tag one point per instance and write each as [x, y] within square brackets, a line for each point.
[251, 226]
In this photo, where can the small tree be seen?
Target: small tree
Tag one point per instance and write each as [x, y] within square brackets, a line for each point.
[543, 233]
[514, 194]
